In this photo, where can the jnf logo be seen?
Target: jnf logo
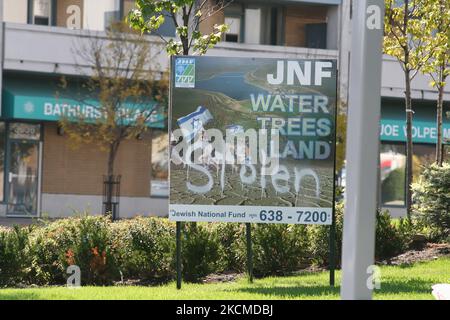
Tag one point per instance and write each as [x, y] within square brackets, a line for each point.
[185, 73]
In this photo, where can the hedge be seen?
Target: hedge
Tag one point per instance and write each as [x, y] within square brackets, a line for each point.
[143, 249]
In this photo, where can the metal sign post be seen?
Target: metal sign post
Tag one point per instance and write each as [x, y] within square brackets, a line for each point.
[227, 161]
[332, 230]
[248, 231]
[178, 254]
[362, 148]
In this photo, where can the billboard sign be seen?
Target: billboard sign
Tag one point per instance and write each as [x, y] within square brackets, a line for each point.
[252, 140]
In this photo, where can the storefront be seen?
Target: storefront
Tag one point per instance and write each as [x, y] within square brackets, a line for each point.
[43, 175]
[393, 150]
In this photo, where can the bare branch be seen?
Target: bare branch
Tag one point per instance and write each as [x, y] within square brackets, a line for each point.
[121, 79]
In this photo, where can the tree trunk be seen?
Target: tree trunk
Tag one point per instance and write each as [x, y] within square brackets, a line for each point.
[409, 142]
[111, 159]
[110, 179]
[185, 39]
[185, 43]
[439, 142]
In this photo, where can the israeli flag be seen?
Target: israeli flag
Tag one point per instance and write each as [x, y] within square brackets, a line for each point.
[193, 123]
[235, 129]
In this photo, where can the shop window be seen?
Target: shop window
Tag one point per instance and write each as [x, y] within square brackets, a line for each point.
[392, 174]
[254, 24]
[446, 153]
[233, 34]
[2, 159]
[41, 12]
[316, 35]
[424, 155]
[23, 169]
[160, 164]
[234, 18]
[393, 170]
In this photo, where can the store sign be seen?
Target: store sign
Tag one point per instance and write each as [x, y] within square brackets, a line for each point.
[422, 131]
[252, 140]
[26, 131]
[53, 109]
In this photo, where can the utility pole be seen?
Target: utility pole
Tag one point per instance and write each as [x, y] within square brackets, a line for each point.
[362, 149]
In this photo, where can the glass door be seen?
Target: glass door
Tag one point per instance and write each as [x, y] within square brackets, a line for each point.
[23, 175]
[23, 178]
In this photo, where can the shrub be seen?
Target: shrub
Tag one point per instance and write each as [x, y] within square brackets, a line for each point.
[84, 242]
[91, 251]
[144, 248]
[48, 246]
[319, 240]
[200, 251]
[14, 261]
[278, 248]
[432, 200]
[392, 236]
[232, 246]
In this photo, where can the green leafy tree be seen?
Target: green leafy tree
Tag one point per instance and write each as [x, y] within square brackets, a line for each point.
[405, 39]
[186, 15]
[436, 14]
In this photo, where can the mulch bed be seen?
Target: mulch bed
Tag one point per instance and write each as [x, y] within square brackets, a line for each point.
[432, 251]
[223, 277]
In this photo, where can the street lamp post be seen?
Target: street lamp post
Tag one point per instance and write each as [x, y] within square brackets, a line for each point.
[362, 149]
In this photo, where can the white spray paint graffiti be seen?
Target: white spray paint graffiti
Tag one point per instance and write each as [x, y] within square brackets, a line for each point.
[209, 150]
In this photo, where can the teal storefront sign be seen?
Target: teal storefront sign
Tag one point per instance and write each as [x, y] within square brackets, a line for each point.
[422, 131]
[28, 100]
[393, 127]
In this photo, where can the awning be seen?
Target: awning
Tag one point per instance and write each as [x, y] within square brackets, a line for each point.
[41, 99]
[393, 127]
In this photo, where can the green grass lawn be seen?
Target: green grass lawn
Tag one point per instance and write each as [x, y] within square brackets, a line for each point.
[400, 282]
